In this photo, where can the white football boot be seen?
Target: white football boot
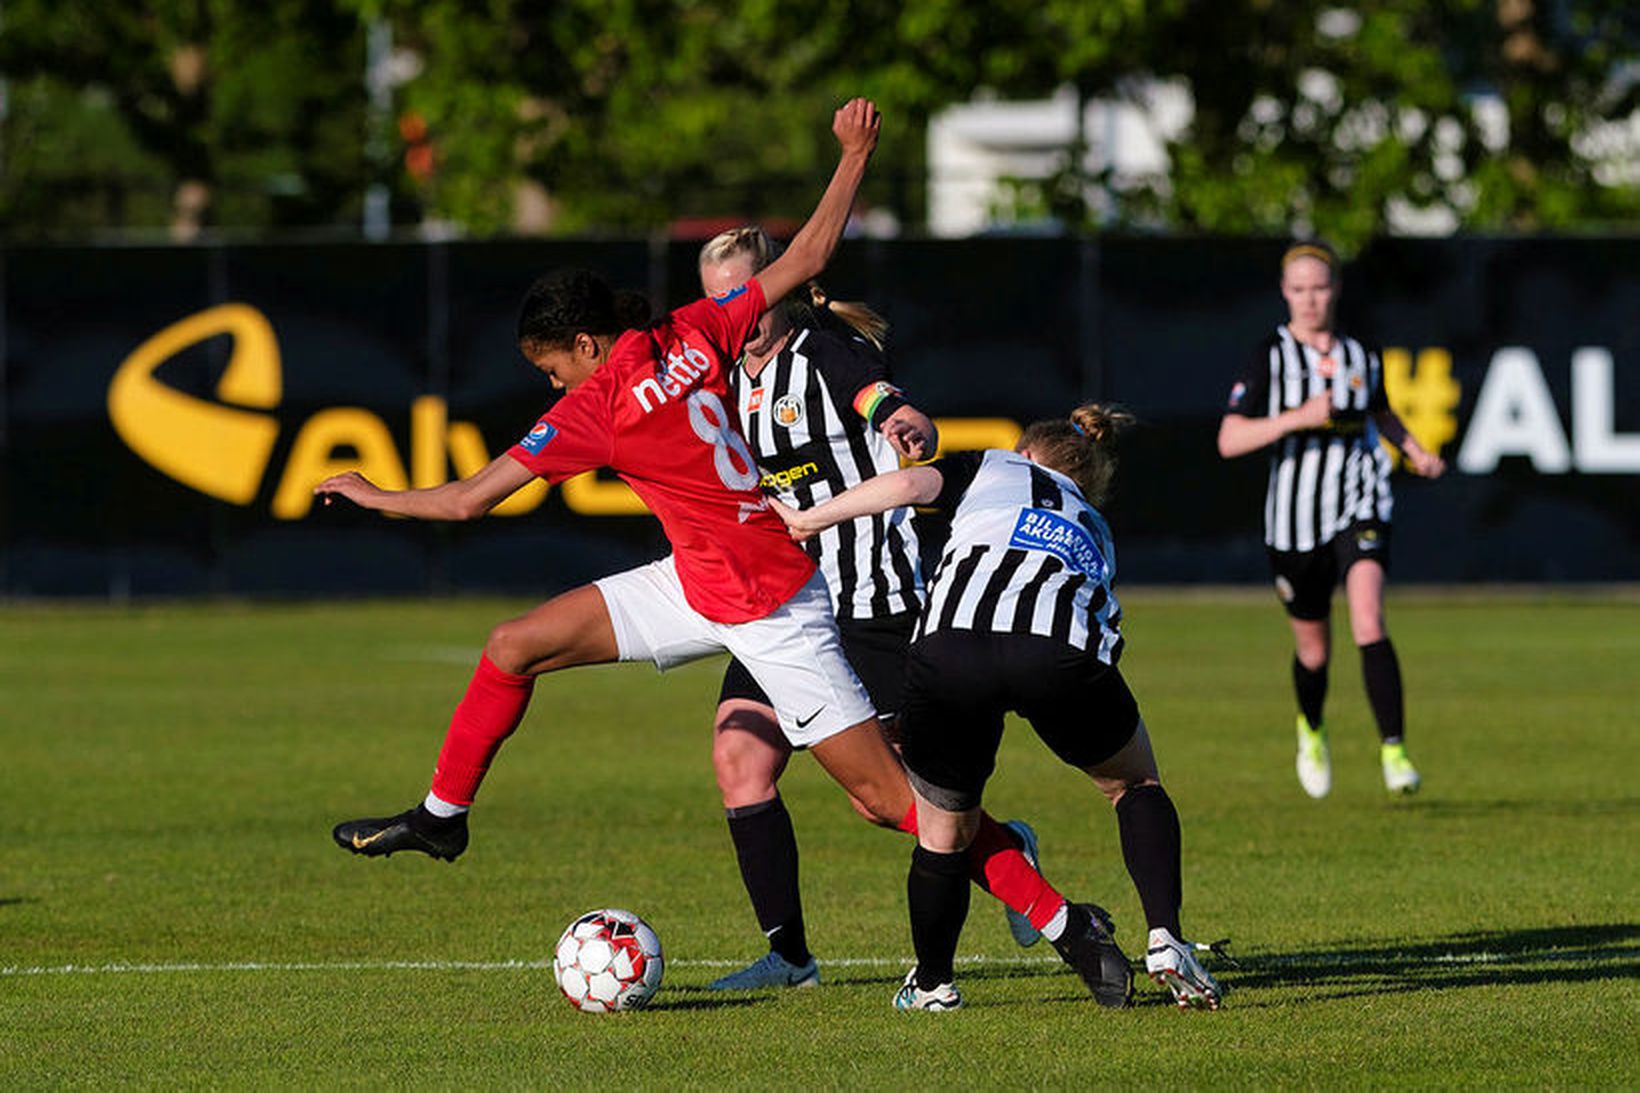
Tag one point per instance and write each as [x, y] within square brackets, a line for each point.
[1314, 763]
[912, 997]
[1173, 964]
[1400, 776]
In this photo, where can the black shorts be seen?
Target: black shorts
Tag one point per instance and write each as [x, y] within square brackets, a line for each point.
[1305, 578]
[875, 649]
[959, 684]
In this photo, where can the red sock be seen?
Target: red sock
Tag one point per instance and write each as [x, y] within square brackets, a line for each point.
[487, 714]
[998, 866]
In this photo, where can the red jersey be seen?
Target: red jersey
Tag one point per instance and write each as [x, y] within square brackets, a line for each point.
[654, 413]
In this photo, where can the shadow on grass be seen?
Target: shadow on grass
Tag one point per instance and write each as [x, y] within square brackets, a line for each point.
[699, 998]
[1440, 809]
[1552, 954]
[12, 901]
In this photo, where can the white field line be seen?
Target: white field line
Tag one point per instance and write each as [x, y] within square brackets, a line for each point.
[451, 965]
[1327, 960]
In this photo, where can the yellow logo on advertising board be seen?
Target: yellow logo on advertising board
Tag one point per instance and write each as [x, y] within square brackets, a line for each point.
[222, 447]
[1424, 395]
[218, 448]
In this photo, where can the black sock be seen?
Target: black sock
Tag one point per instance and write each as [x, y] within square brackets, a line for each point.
[1149, 825]
[767, 849]
[1311, 686]
[1381, 672]
[936, 889]
[424, 821]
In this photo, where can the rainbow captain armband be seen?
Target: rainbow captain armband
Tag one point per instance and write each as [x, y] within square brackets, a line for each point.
[881, 397]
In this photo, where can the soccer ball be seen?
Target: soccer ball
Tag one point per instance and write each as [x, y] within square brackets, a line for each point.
[608, 960]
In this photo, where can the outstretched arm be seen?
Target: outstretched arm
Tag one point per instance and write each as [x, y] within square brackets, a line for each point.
[896, 489]
[465, 499]
[1239, 435]
[1422, 461]
[855, 124]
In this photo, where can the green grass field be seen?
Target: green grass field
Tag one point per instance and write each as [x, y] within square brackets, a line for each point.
[173, 913]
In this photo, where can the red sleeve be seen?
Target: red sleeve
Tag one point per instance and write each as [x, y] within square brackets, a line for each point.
[576, 435]
[726, 321]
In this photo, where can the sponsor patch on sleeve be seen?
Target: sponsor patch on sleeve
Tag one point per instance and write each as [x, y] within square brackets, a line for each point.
[727, 296]
[537, 438]
[1237, 393]
[1066, 540]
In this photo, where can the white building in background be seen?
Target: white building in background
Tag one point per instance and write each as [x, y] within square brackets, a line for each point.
[975, 148]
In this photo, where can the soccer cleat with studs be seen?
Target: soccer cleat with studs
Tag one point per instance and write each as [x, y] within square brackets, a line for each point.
[769, 970]
[1088, 945]
[1400, 776]
[1314, 763]
[912, 997]
[1172, 964]
[415, 829]
[1025, 935]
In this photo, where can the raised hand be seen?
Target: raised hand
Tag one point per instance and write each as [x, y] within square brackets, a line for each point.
[856, 124]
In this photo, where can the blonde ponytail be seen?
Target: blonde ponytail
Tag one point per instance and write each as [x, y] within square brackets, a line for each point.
[1081, 446]
[851, 313]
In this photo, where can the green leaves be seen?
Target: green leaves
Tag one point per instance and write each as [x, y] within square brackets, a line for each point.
[1307, 115]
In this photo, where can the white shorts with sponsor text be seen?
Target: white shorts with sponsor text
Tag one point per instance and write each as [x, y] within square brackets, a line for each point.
[793, 652]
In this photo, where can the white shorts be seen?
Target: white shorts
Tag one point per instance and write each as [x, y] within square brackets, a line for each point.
[793, 652]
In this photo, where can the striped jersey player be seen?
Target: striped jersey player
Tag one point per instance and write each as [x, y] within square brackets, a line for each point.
[1326, 479]
[1315, 398]
[814, 416]
[1021, 618]
[1029, 555]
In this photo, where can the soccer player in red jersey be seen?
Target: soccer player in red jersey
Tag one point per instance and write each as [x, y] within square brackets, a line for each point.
[648, 403]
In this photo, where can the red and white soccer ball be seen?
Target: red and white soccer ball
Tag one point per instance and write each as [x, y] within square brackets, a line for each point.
[608, 960]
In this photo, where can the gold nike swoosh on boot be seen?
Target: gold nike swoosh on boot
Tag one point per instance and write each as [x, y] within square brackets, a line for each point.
[360, 843]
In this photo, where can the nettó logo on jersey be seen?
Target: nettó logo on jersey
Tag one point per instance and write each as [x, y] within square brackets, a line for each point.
[683, 369]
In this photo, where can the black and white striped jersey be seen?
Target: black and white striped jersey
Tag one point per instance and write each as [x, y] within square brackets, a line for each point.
[1322, 480]
[1027, 555]
[812, 416]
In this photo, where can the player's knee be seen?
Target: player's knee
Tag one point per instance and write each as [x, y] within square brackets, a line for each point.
[1367, 630]
[860, 808]
[527, 646]
[882, 804]
[506, 647]
[1115, 789]
[744, 774]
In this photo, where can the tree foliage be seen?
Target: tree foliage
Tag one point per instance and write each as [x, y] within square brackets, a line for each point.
[628, 114]
[116, 113]
[1311, 113]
